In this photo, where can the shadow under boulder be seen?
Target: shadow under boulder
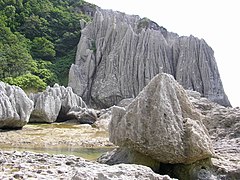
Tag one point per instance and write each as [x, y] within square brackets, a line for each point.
[201, 170]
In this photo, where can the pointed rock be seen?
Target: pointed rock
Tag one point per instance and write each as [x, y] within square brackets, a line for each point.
[161, 123]
[55, 102]
[15, 107]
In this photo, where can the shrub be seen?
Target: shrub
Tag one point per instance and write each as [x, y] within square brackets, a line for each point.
[26, 82]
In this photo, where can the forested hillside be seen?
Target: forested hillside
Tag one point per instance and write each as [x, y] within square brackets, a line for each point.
[38, 40]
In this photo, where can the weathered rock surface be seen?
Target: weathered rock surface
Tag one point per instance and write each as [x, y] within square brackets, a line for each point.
[104, 117]
[55, 102]
[15, 107]
[83, 115]
[201, 170]
[120, 171]
[224, 129]
[125, 102]
[161, 123]
[119, 54]
[128, 156]
[26, 165]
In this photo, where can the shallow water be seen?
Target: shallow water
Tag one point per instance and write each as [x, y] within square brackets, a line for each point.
[57, 138]
[56, 125]
[86, 153]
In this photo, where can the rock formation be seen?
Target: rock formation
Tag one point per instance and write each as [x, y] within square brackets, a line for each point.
[83, 115]
[90, 170]
[223, 125]
[128, 156]
[53, 103]
[28, 165]
[15, 107]
[161, 129]
[119, 54]
[104, 117]
[161, 123]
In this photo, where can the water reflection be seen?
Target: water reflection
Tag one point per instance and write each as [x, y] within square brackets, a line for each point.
[86, 153]
[58, 138]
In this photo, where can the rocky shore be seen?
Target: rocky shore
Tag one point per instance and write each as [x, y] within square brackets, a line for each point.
[185, 136]
[28, 165]
[136, 88]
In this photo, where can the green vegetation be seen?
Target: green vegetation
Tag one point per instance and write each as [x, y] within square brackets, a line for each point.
[38, 40]
[143, 23]
[27, 81]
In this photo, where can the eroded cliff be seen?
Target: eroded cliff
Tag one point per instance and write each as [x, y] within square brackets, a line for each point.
[119, 54]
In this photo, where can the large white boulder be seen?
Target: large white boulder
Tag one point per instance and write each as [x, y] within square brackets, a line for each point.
[162, 123]
[15, 107]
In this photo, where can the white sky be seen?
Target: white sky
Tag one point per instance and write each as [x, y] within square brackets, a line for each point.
[216, 21]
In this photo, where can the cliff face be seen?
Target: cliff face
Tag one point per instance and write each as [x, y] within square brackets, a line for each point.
[119, 54]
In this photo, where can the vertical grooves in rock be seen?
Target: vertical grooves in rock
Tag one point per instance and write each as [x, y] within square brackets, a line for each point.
[119, 54]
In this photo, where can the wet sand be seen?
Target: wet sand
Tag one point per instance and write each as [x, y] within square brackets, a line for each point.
[56, 135]
[57, 138]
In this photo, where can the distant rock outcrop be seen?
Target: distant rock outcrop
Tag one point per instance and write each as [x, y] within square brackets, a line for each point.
[162, 123]
[119, 54]
[15, 107]
[104, 117]
[55, 102]
[83, 115]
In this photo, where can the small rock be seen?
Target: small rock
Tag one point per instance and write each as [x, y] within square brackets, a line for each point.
[39, 171]
[18, 176]
[69, 163]
[49, 171]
